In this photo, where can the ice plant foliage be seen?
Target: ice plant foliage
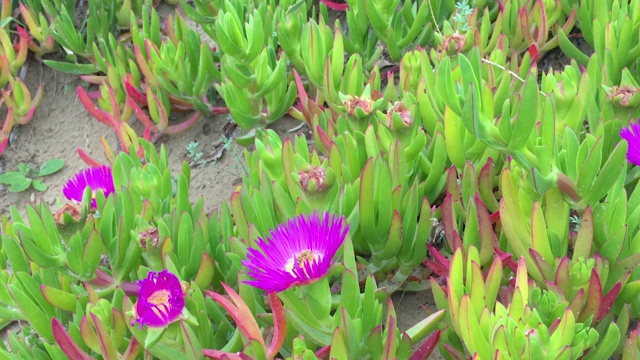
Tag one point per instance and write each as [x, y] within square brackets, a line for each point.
[632, 135]
[465, 142]
[95, 178]
[160, 299]
[298, 252]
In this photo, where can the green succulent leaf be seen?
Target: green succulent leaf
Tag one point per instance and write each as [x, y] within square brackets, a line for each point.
[71, 68]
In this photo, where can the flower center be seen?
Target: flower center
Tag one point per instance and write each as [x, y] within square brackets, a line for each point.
[300, 259]
[306, 256]
[161, 305]
[160, 297]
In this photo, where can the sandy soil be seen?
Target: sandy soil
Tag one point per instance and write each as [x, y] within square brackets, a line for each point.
[61, 125]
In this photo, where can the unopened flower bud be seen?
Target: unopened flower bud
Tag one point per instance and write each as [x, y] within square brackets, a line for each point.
[316, 183]
[452, 44]
[399, 117]
[316, 179]
[68, 213]
[625, 96]
[149, 237]
[313, 180]
[358, 107]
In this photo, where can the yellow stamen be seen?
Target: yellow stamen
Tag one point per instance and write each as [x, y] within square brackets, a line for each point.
[306, 256]
[160, 312]
[302, 258]
[160, 297]
[160, 300]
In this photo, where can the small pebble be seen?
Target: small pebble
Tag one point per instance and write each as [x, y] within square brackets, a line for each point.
[13, 137]
[206, 129]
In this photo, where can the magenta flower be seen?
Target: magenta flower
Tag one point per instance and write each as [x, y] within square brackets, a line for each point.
[95, 178]
[632, 135]
[160, 299]
[298, 252]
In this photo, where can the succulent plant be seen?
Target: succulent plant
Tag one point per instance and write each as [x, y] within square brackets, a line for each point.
[436, 149]
[521, 321]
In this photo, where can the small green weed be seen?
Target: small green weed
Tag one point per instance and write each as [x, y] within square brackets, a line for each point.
[194, 156]
[462, 15]
[28, 174]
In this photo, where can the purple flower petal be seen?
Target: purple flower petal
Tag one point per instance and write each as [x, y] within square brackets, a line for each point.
[298, 252]
[160, 299]
[95, 178]
[632, 135]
